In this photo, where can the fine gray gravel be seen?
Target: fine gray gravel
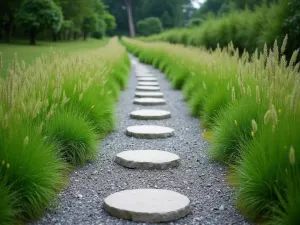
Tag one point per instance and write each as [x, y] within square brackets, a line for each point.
[200, 179]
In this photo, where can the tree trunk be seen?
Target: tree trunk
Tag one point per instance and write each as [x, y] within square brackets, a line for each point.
[84, 35]
[7, 28]
[32, 36]
[59, 36]
[75, 35]
[130, 18]
[54, 37]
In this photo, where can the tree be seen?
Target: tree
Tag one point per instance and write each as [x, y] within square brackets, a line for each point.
[8, 10]
[130, 17]
[110, 21]
[89, 24]
[37, 15]
[148, 26]
[166, 19]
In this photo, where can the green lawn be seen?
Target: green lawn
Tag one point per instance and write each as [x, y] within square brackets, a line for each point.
[29, 53]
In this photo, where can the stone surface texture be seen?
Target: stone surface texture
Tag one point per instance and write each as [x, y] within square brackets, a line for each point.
[149, 101]
[147, 159]
[150, 114]
[148, 94]
[149, 131]
[147, 88]
[147, 79]
[147, 83]
[147, 205]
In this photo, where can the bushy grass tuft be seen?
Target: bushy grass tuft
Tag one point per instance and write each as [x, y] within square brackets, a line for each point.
[74, 137]
[8, 201]
[214, 104]
[233, 127]
[31, 168]
[259, 174]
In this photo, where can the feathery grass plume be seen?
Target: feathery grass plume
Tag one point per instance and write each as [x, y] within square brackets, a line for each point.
[284, 43]
[254, 126]
[292, 155]
[204, 86]
[26, 140]
[294, 58]
[249, 91]
[274, 117]
[276, 52]
[267, 117]
[233, 95]
[257, 94]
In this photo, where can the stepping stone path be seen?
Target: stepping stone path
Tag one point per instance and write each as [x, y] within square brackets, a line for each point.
[150, 114]
[149, 131]
[147, 205]
[147, 159]
[145, 83]
[149, 101]
[149, 94]
[147, 88]
[147, 174]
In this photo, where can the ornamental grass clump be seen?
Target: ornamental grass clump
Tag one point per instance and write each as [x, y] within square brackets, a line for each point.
[51, 115]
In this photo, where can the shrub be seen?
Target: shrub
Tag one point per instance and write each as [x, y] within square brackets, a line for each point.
[194, 22]
[38, 15]
[148, 26]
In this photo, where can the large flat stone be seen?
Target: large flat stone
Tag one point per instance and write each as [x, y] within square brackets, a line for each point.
[149, 101]
[150, 114]
[147, 88]
[149, 131]
[147, 159]
[147, 79]
[147, 83]
[149, 94]
[147, 205]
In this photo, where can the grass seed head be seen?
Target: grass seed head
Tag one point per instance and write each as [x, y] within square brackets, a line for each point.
[26, 140]
[254, 126]
[233, 94]
[292, 155]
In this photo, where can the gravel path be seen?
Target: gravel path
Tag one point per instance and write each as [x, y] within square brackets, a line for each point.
[202, 180]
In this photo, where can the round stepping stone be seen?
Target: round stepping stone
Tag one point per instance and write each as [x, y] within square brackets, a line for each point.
[147, 79]
[144, 75]
[149, 131]
[149, 101]
[146, 83]
[149, 94]
[147, 88]
[147, 159]
[147, 205]
[150, 114]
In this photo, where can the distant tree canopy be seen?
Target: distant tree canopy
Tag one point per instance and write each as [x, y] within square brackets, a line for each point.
[172, 13]
[150, 25]
[215, 7]
[37, 15]
[61, 19]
